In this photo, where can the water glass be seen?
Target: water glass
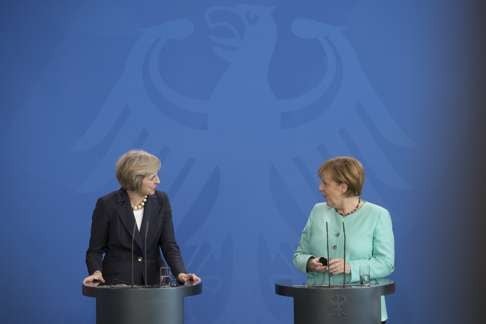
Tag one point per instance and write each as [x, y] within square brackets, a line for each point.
[365, 274]
[165, 276]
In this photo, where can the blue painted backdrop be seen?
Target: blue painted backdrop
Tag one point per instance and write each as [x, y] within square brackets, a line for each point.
[242, 101]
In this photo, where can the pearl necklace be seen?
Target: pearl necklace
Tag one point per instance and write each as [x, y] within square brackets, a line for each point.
[355, 209]
[140, 204]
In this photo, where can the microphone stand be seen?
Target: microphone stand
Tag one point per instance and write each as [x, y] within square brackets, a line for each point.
[132, 265]
[328, 257]
[145, 251]
[344, 275]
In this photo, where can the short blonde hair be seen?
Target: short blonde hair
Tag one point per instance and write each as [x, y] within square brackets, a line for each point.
[345, 169]
[135, 165]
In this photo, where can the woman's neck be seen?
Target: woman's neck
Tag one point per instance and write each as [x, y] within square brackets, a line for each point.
[349, 205]
[135, 197]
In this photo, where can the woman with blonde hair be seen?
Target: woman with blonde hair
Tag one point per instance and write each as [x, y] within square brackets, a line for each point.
[130, 227]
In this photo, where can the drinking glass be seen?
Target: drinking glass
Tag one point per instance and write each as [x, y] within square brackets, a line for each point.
[364, 274]
[165, 276]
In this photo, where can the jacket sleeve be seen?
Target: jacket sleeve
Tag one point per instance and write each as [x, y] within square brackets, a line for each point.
[167, 242]
[382, 261]
[98, 238]
[302, 252]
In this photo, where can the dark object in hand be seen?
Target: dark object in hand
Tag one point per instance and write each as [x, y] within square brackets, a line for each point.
[323, 261]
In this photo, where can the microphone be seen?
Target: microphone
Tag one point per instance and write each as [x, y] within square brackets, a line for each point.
[145, 251]
[132, 265]
[344, 248]
[325, 261]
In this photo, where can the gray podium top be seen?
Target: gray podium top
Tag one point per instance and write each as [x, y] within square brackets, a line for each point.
[288, 288]
[120, 290]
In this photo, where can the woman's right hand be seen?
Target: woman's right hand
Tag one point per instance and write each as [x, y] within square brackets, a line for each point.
[96, 277]
[314, 265]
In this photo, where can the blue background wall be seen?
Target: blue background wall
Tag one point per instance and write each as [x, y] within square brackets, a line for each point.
[242, 101]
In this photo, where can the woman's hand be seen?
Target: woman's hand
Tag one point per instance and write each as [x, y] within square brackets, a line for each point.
[188, 278]
[314, 265]
[96, 277]
[336, 266]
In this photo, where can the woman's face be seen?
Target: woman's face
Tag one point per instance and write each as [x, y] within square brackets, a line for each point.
[332, 191]
[149, 184]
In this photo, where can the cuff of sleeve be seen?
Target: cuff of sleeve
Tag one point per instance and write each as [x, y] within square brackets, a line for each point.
[93, 269]
[300, 261]
[179, 271]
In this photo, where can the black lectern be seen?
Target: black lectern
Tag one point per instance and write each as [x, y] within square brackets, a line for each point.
[133, 305]
[350, 304]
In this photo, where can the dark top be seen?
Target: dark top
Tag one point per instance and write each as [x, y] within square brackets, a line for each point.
[111, 242]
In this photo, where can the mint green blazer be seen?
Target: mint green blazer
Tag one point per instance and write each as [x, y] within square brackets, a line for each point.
[369, 240]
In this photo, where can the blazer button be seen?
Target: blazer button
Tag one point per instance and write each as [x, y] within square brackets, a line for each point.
[337, 234]
[140, 259]
[334, 247]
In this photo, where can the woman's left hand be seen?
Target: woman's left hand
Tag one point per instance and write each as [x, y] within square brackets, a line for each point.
[336, 266]
[189, 278]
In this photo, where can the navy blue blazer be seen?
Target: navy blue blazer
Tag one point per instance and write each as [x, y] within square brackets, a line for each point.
[110, 245]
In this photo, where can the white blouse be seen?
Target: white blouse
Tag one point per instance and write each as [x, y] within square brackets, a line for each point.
[138, 217]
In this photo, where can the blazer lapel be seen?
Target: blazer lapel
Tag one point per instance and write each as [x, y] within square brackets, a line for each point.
[150, 209]
[127, 218]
